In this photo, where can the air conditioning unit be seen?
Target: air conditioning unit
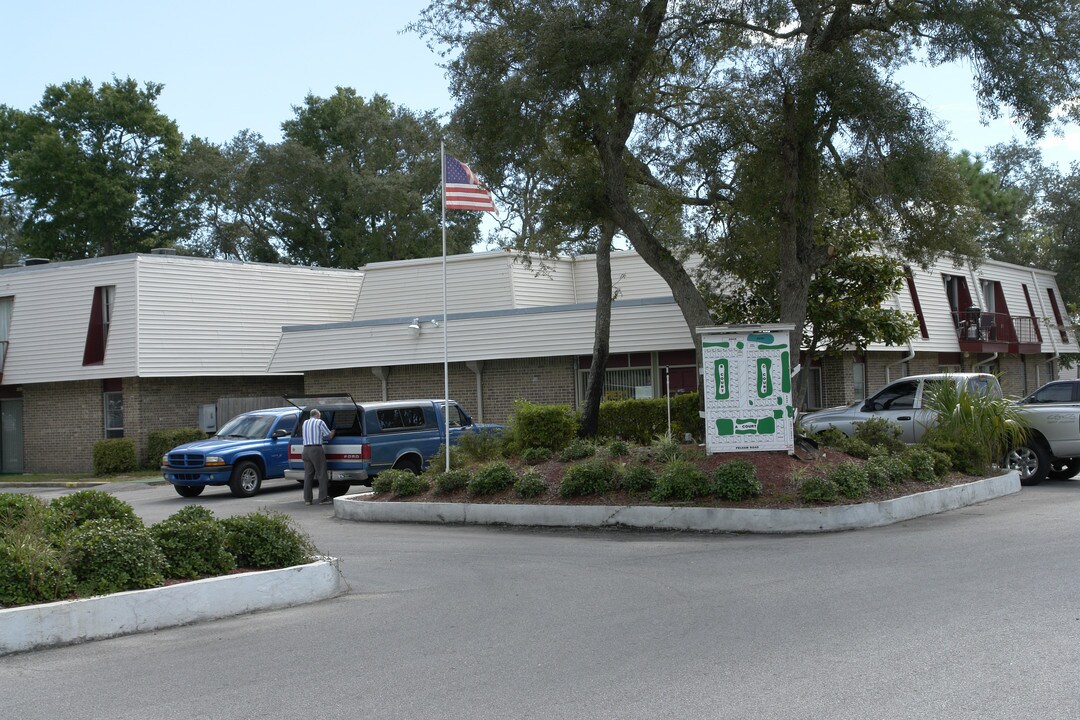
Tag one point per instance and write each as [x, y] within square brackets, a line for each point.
[208, 418]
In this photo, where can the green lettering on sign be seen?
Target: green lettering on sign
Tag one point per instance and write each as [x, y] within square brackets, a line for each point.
[764, 379]
[720, 376]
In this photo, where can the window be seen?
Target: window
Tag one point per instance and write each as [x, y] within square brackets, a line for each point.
[1054, 393]
[896, 396]
[400, 418]
[97, 332]
[812, 395]
[858, 380]
[114, 414]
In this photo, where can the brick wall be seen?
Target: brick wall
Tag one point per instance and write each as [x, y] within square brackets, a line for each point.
[539, 380]
[69, 416]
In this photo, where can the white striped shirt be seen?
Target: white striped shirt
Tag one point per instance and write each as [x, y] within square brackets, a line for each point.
[314, 431]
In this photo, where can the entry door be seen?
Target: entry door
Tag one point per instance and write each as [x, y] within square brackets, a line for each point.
[11, 436]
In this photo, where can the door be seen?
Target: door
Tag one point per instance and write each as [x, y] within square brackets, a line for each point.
[896, 403]
[11, 436]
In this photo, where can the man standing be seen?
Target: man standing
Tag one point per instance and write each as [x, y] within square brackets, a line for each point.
[315, 434]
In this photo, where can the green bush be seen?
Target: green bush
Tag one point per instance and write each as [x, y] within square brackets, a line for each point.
[492, 478]
[71, 511]
[192, 542]
[858, 448]
[266, 539]
[384, 481]
[437, 463]
[641, 420]
[638, 479]
[404, 484]
[479, 446]
[976, 430]
[885, 470]
[160, 442]
[963, 455]
[530, 485]
[850, 480]
[680, 480]
[618, 449]
[817, 489]
[829, 437]
[550, 426]
[113, 456]
[736, 480]
[579, 449]
[924, 464]
[881, 433]
[535, 455]
[453, 481]
[16, 508]
[107, 556]
[593, 477]
[666, 448]
[32, 571]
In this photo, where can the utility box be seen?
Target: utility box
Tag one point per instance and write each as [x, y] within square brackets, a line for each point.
[208, 418]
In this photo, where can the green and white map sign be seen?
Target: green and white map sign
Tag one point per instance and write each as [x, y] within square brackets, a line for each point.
[747, 381]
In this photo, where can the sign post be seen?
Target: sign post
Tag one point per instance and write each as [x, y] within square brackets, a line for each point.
[747, 383]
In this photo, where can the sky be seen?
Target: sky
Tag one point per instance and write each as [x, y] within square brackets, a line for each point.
[232, 65]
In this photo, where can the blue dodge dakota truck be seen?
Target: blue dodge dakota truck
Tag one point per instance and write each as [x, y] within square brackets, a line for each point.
[248, 449]
[370, 437]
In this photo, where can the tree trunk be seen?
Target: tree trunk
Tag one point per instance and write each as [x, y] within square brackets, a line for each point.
[594, 393]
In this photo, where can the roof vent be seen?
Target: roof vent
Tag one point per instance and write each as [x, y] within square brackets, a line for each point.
[163, 251]
[35, 261]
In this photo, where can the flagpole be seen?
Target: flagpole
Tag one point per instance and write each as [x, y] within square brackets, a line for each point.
[446, 354]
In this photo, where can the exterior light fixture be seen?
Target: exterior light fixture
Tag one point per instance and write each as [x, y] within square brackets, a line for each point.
[415, 326]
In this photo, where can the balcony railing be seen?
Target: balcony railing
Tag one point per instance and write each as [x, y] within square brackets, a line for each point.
[977, 326]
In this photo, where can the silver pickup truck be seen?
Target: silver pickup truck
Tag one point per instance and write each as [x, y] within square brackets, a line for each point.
[1052, 449]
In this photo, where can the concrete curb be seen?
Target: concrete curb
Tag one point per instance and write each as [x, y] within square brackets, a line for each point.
[75, 621]
[798, 520]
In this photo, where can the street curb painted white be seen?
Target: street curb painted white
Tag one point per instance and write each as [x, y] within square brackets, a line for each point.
[74, 621]
[705, 519]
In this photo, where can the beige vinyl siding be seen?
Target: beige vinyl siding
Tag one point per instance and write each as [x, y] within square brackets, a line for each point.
[414, 287]
[51, 314]
[544, 281]
[223, 318]
[631, 277]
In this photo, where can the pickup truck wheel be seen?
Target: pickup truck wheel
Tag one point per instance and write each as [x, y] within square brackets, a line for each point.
[1064, 468]
[337, 488]
[246, 479]
[1032, 460]
[189, 490]
[410, 464]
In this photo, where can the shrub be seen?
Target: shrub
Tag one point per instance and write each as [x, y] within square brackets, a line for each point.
[71, 511]
[159, 442]
[15, 508]
[680, 480]
[113, 456]
[639, 479]
[384, 481]
[530, 485]
[404, 484]
[618, 448]
[31, 571]
[736, 480]
[829, 437]
[107, 556]
[856, 447]
[266, 539]
[817, 489]
[437, 463]
[550, 426]
[923, 464]
[593, 477]
[579, 449]
[492, 478]
[982, 427]
[535, 455]
[850, 480]
[480, 446]
[192, 542]
[885, 470]
[641, 420]
[881, 433]
[453, 481]
[961, 454]
[666, 448]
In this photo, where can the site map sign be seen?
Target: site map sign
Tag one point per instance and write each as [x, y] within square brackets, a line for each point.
[747, 381]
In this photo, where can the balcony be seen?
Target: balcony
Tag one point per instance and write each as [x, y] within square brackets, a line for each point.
[980, 331]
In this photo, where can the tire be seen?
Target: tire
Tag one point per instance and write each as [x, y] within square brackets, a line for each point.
[337, 488]
[246, 479]
[1032, 460]
[189, 490]
[1064, 468]
[408, 463]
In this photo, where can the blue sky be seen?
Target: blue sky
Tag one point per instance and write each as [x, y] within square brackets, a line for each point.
[236, 64]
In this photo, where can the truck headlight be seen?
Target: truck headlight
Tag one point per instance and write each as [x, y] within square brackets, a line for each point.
[214, 460]
[165, 460]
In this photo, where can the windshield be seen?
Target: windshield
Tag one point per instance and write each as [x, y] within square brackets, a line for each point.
[247, 426]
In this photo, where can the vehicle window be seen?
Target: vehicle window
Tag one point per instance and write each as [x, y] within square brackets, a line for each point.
[457, 417]
[287, 423]
[344, 422]
[412, 417]
[247, 426]
[389, 419]
[897, 396]
[1058, 392]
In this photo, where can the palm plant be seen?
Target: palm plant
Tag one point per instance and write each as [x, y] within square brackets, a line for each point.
[983, 427]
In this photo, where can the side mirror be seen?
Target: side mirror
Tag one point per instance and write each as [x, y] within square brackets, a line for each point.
[280, 433]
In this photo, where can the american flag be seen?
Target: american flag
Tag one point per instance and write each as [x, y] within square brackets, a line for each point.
[463, 190]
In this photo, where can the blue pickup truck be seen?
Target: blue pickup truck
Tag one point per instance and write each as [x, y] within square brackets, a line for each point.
[248, 449]
[371, 437]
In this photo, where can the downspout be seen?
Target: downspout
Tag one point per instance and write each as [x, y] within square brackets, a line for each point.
[477, 366]
[382, 372]
[1053, 341]
[987, 361]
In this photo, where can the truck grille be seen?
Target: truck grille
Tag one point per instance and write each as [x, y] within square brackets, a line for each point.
[186, 460]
